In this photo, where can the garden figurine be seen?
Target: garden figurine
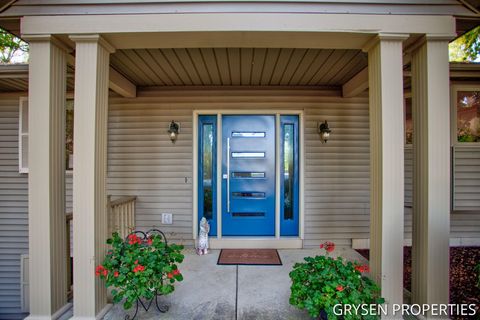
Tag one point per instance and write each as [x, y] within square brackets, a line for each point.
[202, 246]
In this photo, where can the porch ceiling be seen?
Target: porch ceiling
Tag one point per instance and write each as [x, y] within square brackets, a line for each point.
[238, 66]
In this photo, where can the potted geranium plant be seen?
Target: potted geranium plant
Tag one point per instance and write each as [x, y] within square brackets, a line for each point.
[321, 282]
[140, 267]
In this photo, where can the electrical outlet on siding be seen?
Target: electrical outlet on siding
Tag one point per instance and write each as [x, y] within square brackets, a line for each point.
[167, 218]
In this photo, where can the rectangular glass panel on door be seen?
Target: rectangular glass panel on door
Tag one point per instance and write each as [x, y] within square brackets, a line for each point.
[248, 172]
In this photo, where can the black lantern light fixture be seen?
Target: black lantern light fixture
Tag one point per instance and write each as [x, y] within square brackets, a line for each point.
[173, 130]
[324, 131]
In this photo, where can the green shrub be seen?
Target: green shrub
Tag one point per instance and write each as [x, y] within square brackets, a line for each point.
[322, 282]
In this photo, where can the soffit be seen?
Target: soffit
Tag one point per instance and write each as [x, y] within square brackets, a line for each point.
[238, 66]
[14, 78]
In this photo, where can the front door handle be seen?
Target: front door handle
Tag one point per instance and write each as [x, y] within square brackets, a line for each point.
[228, 174]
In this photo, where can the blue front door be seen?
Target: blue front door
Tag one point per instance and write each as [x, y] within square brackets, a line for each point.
[248, 175]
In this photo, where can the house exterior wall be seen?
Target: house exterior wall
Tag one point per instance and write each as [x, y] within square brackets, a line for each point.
[143, 162]
[13, 211]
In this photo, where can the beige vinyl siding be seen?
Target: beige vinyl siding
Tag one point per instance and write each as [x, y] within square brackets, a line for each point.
[13, 212]
[465, 219]
[467, 178]
[408, 163]
[337, 172]
[143, 162]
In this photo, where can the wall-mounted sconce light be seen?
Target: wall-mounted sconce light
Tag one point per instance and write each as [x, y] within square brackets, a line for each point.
[324, 131]
[173, 130]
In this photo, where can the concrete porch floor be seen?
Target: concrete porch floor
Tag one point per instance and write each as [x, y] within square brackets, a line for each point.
[210, 291]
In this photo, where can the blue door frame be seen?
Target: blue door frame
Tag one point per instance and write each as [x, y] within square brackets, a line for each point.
[289, 176]
[207, 171]
[248, 174]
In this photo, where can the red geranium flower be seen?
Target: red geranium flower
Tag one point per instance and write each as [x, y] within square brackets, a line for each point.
[133, 239]
[362, 269]
[99, 270]
[321, 246]
[169, 275]
[176, 272]
[150, 241]
[136, 262]
[329, 246]
[340, 288]
[105, 272]
[138, 268]
[116, 274]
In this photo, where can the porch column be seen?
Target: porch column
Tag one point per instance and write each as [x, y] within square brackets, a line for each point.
[92, 54]
[431, 179]
[46, 177]
[386, 165]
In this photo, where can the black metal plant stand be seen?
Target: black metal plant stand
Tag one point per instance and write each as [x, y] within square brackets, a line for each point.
[146, 306]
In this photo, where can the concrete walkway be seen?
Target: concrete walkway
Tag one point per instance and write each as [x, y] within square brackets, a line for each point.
[210, 291]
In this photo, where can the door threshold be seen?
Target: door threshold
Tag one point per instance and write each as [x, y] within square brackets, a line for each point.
[256, 243]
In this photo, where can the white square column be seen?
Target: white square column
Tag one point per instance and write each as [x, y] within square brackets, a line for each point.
[46, 177]
[92, 56]
[385, 72]
[431, 179]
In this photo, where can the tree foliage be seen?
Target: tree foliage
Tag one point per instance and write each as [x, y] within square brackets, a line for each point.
[467, 47]
[11, 47]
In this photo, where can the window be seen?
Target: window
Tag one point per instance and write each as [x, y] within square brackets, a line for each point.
[207, 172]
[23, 135]
[467, 115]
[408, 121]
[69, 135]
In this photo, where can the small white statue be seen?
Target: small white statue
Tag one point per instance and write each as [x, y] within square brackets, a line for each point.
[202, 247]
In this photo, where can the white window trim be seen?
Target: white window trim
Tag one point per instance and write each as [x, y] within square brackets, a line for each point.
[23, 102]
[453, 114]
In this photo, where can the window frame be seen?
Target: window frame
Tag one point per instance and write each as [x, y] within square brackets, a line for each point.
[405, 97]
[455, 88]
[22, 102]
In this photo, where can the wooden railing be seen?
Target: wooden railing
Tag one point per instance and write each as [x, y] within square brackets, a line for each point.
[121, 215]
[121, 218]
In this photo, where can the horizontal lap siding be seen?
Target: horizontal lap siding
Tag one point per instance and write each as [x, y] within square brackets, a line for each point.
[337, 173]
[143, 162]
[408, 191]
[466, 192]
[13, 212]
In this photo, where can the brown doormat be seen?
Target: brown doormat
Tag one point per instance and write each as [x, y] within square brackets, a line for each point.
[255, 257]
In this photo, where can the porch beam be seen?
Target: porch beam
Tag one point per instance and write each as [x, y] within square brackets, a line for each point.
[89, 176]
[431, 179]
[238, 29]
[46, 178]
[117, 82]
[121, 85]
[356, 85]
[386, 165]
